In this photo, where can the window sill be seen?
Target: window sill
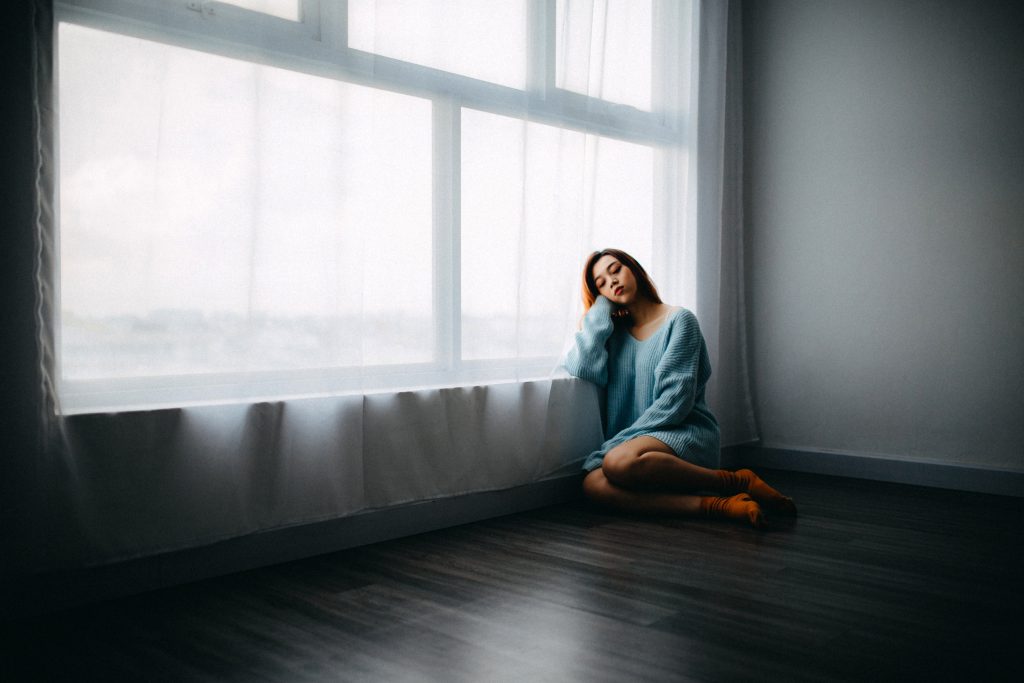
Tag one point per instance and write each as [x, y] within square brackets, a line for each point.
[142, 394]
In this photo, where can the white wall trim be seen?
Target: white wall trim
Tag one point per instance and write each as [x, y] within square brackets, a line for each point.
[890, 468]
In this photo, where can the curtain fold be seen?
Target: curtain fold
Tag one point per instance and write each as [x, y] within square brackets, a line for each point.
[716, 190]
[44, 228]
[147, 482]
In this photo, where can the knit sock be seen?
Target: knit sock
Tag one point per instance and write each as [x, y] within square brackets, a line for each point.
[745, 481]
[740, 508]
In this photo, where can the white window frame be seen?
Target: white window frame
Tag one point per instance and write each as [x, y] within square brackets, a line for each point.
[317, 45]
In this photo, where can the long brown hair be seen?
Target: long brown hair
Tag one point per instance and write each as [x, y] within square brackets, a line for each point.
[643, 281]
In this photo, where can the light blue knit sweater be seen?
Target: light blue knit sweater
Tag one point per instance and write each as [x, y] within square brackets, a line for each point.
[655, 387]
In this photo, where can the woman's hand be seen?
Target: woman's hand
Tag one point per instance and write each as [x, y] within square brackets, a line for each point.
[617, 312]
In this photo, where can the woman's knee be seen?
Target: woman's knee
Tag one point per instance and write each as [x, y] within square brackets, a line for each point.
[625, 464]
[620, 463]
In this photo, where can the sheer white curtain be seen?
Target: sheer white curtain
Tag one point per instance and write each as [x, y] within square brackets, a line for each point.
[225, 222]
[242, 226]
[715, 202]
[300, 260]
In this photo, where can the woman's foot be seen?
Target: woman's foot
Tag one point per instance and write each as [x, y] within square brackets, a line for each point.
[745, 481]
[739, 508]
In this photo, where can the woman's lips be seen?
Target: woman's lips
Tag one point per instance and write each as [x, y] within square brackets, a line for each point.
[619, 291]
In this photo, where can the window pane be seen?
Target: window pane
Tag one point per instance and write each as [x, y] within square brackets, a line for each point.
[604, 49]
[219, 216]
[286, 9]
[484, 40]
[535, 201]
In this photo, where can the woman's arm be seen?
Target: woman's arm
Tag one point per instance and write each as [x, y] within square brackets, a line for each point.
[680, 374]
[588, 359]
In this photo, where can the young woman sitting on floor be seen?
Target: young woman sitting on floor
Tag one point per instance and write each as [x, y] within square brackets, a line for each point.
[661, 455]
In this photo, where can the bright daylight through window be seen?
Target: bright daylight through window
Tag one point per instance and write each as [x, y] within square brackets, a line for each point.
[262, 198]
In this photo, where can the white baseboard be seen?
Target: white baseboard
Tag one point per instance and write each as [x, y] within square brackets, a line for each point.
[894, 469]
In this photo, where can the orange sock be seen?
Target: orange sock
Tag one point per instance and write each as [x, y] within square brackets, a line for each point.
[745, 481]
[740, 508]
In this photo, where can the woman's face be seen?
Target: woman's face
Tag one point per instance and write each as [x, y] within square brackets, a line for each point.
[614, 280]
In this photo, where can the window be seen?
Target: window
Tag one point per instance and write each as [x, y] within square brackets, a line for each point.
[265, 199]
[237, 175]
[605, 49]
[484, 40]
[512, 240]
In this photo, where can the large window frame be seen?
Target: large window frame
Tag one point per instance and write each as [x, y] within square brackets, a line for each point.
[317, 45]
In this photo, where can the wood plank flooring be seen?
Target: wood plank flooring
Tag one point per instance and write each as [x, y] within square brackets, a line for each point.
[871, 582]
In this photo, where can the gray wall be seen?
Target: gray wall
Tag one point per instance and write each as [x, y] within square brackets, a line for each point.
[884, 144]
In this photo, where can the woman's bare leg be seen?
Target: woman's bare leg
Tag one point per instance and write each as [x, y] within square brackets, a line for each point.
[645, 463]
[738, 508]
[599, 489]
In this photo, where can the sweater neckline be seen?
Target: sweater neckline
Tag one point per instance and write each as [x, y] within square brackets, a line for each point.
[662, 326]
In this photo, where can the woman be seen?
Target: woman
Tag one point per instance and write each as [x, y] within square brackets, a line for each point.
[662, 443]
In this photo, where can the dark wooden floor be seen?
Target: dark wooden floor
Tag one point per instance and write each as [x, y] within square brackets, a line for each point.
[872, 582]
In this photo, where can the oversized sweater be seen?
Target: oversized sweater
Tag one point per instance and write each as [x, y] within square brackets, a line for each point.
[655, 387]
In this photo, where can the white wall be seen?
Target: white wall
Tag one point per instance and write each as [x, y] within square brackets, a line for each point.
[885, 217]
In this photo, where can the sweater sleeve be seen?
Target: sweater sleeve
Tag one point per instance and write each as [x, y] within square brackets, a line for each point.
[682, 371]
[588, 358]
